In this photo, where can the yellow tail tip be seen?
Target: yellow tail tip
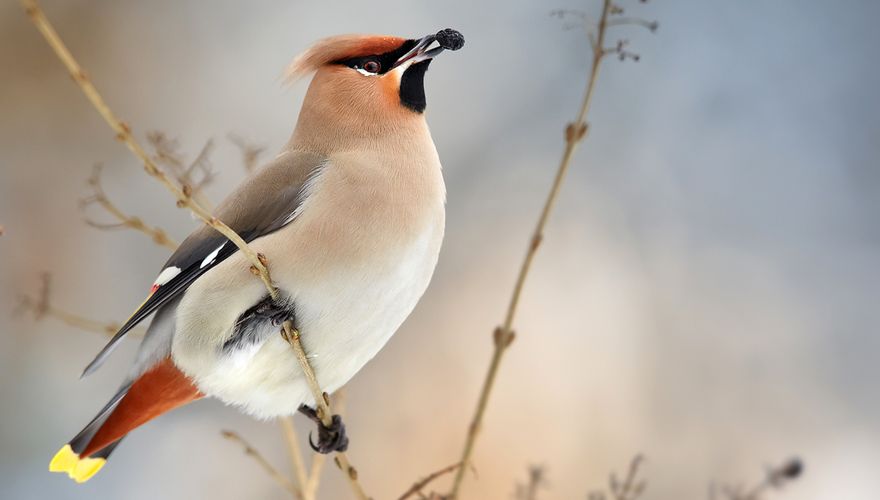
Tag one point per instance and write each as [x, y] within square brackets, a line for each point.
[86, 468]
[64, 461]
[79, 469]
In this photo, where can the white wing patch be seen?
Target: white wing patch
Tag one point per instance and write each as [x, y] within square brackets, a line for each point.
[211, 256]
[308, 188]
[166, 275]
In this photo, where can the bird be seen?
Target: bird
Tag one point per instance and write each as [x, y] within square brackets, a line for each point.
[351, 216]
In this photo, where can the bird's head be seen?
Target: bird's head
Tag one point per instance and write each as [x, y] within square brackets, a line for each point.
[365, 84]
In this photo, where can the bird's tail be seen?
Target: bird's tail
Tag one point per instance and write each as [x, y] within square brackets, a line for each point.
[160, 389]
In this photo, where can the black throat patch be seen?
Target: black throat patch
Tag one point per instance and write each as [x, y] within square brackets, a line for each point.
[412, 86]
[412, 82]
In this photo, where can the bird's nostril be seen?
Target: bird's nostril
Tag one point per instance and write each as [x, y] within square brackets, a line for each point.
[450, 39]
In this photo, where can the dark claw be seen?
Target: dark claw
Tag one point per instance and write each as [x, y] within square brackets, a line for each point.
[330, 438]
[276, 312]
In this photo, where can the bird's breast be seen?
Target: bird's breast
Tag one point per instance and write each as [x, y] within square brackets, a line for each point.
[355, 261]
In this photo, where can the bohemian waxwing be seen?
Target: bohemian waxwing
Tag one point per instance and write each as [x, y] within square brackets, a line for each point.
[351, 217]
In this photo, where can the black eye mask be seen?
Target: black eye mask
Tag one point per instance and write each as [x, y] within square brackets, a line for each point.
[386, 61]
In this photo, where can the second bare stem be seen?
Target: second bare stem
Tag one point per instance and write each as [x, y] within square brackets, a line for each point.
[504, 335]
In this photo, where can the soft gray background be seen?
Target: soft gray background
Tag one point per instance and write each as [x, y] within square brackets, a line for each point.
[707, 294]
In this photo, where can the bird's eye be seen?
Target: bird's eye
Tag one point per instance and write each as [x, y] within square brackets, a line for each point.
[372, 66]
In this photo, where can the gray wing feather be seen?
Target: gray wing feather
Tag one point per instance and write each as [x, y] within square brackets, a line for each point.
[261, 205]
[156, 344]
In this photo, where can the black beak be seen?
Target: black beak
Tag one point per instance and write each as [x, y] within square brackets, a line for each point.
[446, 39]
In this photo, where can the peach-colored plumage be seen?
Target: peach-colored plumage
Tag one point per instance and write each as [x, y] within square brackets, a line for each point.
[351, 213]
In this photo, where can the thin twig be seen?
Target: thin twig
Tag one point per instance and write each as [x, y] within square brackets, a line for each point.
[41, 307]
[157, 234]
[634, 21]
[310, 490]
[250, 153]
[504, 335]
[322, 405]
[83, 323]
[417, 487]
[123, 134]
[631, 488]
[537, 480]
[279, 478]
[306, 482]
[298, 467]
[319, 460]
[259, 263]
[166, 153]
[775, 478]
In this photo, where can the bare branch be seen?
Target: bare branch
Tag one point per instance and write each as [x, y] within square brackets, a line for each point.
[249, 450]
[775, 478]
[196, 175]
[631, 487]
[620, 50]
[634, 21]
[306, 482]
[582, 20]
[296, 459]
[99, 197]
[310, 490]
[201, 164]
[183, 194]
[503, 336]
[250, 153]
[319, 460]
[123, 134]
[322, 404]
[419, 485]
[537, 480]
[41, 307]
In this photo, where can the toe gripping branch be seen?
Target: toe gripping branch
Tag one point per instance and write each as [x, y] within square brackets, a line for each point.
[330, 439]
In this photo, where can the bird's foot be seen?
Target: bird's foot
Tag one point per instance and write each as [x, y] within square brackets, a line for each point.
[275, 311]
[330, 438]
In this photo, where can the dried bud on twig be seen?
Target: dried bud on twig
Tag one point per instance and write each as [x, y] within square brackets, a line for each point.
[574, 132]
[537, 480]
[775, 478]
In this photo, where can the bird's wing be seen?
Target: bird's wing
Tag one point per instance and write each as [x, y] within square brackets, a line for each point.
[264, 203]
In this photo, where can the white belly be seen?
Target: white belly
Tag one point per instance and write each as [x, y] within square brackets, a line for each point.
[344, 319]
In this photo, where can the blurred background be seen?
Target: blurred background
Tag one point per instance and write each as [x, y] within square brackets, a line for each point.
[706, 295]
